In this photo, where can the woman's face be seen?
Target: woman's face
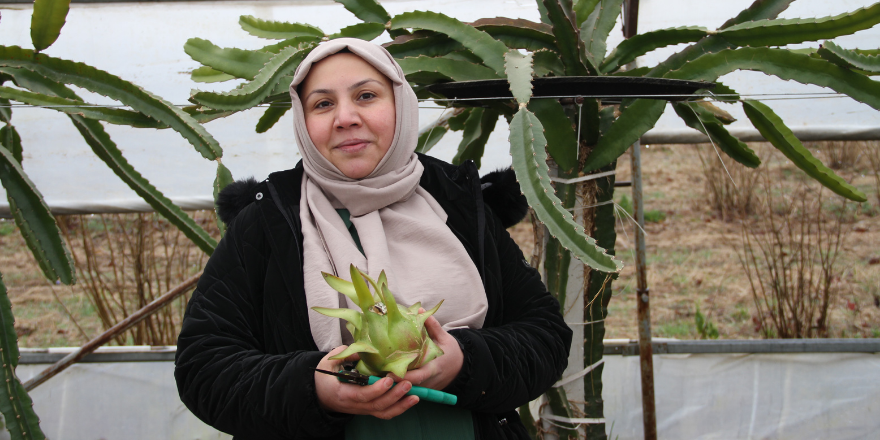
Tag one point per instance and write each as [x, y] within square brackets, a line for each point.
[349, 113]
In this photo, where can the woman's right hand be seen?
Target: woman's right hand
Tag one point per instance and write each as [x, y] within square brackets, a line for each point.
[378, 400]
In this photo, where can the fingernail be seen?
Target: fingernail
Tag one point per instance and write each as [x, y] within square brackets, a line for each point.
[388, 382]
[413, 400]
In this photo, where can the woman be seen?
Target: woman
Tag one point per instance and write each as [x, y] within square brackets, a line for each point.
[361, 196]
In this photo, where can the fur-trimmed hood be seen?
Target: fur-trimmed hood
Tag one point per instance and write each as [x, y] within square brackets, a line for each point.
[501, 192]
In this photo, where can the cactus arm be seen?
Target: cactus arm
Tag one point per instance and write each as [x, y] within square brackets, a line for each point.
[430, 136]
[636, 46]
[490, 50]
[709, 125]
[253, 93]
[271, 116]
[633, 122]
[717, 112]
[277, 30]
[518, 68]
[518, 33]
[422, 43]
[399, 365]
[547, 62]
[785, 65]
[11, 140]
[15, 403]
[46, 22]
[222, 178]
[352, 316]
[107, 151]
[478, 127]
[367, 10]
[207, 74]
[35, 221]
[571, 47]
[583, 9]
[453, 69]
[774, 130]
[596, 28]
[724, 93]
[365, 299]
[111, 115]
[203, 116]
[561, 137]
[103, 83]
[780, 32]
[527, 145]
[296, 41]
[239, 63]
[759, 10]
[362, 31]
[849, 59]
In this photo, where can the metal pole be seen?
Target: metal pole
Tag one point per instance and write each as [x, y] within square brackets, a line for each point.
[105, 337]
[643, 297]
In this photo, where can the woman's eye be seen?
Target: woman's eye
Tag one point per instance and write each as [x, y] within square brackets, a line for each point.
[322, 104]
[367, 95]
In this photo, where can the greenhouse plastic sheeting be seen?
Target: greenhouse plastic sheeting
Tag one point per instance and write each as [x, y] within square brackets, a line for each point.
[705, 396]
[143, 43]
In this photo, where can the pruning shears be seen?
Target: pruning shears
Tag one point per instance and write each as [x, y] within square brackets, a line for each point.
[353, 376]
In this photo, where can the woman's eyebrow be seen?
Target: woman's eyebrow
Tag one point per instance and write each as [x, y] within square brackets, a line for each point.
[352, 87]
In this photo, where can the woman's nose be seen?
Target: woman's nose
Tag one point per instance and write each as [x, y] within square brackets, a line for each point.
[347, 115]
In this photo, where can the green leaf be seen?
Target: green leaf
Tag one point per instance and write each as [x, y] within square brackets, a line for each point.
[10, 140]
[759, 10]
[277, 30]
[638, 71]
[77, 107]
[490, 50]
[363, 31]
[780, 32]
[253, 93]
[239, 63]
[518, 67]
[103, 83]
[561, 137]
[35, 221]
[527, 148]
[367, 10]
[453, 69]
[723, 116]
[420, 43]
[205, 115]
[542, 10]
[477, 129]
[456, 123]
[724, 94]
[301, 42]
[708, 124]
[207, 74]
[547, 62]
[46, 22]
[349, 315]
[5, 110]
[272, 114]
[785, 65]
[518, 33]
[583, 9]
[638, 45]
[849, 59]
[107, 151]
[633, 122]
[15, 403]
[571, 48]
[777, 133]
[429, 137]
[596, 28]
[222, 178]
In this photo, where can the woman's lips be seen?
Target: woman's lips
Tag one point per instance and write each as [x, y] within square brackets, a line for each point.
[352, 145]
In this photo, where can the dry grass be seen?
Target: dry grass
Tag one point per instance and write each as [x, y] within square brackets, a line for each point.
[692, 255]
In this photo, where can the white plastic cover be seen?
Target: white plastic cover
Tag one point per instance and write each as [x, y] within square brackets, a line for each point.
[143, 43]
[705, 396]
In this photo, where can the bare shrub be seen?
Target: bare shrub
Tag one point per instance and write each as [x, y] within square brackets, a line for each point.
[840, 154]
[125, 261]
[789, 250]
[871, 150]
[730, 195]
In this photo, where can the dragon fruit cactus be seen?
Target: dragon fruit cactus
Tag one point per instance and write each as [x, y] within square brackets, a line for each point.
[388, 337]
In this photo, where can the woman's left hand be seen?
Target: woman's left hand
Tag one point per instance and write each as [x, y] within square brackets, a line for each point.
[440, 372]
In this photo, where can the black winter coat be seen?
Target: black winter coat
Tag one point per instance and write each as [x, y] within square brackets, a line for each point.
[245, 349]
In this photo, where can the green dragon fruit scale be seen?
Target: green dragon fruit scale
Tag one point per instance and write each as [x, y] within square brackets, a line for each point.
[388, 337]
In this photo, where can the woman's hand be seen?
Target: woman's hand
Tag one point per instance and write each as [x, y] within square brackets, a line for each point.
[378, 400]
[440, 372]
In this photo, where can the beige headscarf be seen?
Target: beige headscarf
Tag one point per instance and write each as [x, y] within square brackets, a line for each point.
[401, 227]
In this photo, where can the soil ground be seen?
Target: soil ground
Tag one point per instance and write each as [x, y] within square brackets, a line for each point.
[692, 257]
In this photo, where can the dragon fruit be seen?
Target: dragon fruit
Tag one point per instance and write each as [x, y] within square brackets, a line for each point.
[389, 338]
